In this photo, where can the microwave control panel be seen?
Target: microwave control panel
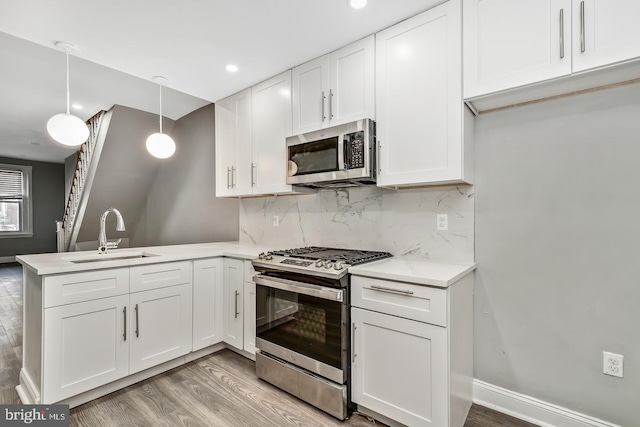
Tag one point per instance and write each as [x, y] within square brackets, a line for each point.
[354, 147]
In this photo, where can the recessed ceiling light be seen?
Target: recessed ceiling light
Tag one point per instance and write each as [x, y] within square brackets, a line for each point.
[76, 106]
[232, 68]
[357, 4]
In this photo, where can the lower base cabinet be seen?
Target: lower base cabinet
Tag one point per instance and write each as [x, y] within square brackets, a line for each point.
[249, 299]
[233, 289]
[399, 368]
[87, 345]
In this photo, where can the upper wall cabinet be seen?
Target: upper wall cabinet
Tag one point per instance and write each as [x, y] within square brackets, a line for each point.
[605, 32]
[509, 46]
[514, 43]
[271, 125]
[233, 145]
[335, 88]
[251, 131]
[424, 130]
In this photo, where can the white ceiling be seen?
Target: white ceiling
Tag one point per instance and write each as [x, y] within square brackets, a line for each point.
[187, 41]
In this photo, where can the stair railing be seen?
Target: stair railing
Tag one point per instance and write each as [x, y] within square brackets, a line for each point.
[85, 155]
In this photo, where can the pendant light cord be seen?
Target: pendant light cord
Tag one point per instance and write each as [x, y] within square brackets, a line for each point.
[160, 107]
[68, 96]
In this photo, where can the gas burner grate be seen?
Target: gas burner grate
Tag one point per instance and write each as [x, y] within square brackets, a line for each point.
[346, 256]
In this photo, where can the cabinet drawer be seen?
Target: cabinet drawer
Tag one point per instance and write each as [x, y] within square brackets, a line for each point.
[249, 271]
[154, 276]
[421, 303]
[85, 286]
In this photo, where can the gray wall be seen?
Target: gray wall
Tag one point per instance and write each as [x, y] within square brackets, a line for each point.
[181, 206]
[125, 173]
[47, 188]
[557, 232]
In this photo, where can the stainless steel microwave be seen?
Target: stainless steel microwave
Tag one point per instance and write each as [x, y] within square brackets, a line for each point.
[338, 156]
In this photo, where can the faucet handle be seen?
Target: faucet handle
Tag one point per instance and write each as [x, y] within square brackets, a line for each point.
[114, 244]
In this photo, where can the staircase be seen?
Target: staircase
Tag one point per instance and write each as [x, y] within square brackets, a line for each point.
[88, 155]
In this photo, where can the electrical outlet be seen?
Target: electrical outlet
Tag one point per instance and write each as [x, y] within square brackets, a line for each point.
[276, 221]
[612, 364]
[442, 222]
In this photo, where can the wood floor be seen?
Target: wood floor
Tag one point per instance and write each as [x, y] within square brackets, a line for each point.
[215, 391]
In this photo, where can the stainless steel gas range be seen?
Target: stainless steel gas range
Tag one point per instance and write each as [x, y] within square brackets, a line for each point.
[302, 323]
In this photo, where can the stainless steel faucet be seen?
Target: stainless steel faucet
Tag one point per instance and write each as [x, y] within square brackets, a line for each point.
[103, 244]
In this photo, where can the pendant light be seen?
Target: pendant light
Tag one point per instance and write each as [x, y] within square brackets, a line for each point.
[66, 128]
[160, 144]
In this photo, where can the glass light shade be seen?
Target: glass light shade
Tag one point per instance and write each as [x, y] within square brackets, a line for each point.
[68, 129]
[161, 145]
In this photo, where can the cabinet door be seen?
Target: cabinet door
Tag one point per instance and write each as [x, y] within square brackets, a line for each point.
[419, 99]
[514, 43]
[86, 345]
[399, 368]
[207, 302]
[160, 326]
[271, 126]
[352, 82]
[232, 296]
[604, 32]
[233, 145]
[310, 92]
[249, 299]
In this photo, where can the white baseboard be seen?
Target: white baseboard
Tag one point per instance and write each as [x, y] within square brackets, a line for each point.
[7, 259]
[531, 409]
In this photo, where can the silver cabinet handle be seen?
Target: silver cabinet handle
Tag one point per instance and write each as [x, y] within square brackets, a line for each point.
[228, 181]
[330, 104]
[237, 312]
[124, 332]
[324, 117]
[378, 156]
[393, 291]
[233, 177]
[561, 33]
[253, 167]
[353, 342]
[137, 323]
[582, 41]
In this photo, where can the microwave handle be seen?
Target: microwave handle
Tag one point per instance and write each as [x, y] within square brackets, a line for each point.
[341, 153]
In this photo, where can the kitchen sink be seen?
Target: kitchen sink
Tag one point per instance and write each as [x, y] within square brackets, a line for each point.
[109, 257]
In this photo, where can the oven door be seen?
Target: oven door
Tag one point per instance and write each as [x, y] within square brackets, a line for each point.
[303, 324]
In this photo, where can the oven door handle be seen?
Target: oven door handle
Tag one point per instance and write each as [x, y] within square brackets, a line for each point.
[300, 288]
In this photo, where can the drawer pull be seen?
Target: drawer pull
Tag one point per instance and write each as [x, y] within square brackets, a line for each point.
[390, 290]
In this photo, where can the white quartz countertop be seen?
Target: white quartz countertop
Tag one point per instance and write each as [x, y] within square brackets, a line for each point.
[58, 263]
[414, 270]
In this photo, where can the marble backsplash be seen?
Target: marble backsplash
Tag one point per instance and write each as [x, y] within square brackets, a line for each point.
[402, 222]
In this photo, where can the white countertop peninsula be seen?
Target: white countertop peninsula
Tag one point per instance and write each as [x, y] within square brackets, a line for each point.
[59, 263]
[414, 270]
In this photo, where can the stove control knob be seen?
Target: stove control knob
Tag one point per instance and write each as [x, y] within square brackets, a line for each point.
[268, 256]
[319, 263]
[338, 266]
[328, 264]
[261, 256]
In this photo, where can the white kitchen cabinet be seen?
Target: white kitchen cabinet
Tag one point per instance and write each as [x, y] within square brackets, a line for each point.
[271, 121]
[509, 44]
[85, 346]
[605, 32]
[249, 302]
[412, 354]
[233, 145]
[233, 321]
[207, 302]
[335, 88]
[160, 327]
[400, 368]
[424, 130]
[570, 45]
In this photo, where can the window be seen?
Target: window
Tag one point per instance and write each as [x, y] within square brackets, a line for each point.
[15, 201]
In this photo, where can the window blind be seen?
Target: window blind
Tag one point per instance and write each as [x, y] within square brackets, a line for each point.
[10, 184]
